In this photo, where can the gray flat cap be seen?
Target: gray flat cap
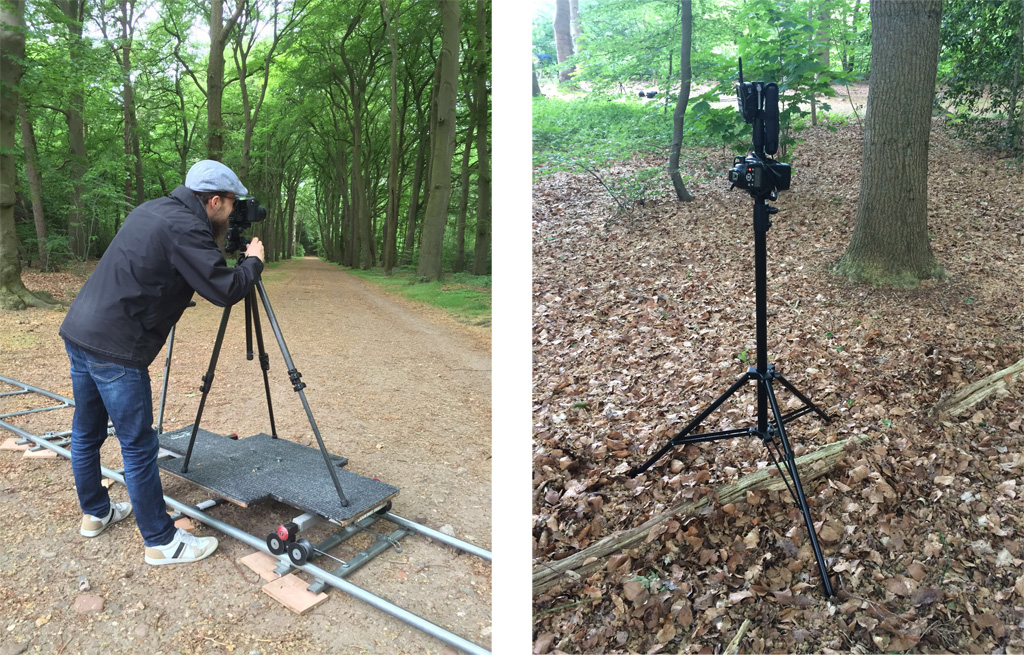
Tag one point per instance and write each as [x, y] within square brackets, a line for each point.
[210, 175]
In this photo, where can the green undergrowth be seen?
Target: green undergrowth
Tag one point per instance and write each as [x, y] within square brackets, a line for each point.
[465, 297]
[570, 134]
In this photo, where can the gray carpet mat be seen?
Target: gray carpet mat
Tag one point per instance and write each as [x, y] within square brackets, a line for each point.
[247, 470]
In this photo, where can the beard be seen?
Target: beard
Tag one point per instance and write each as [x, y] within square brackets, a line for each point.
[220, 228]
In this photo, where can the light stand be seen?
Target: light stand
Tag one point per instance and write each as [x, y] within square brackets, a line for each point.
[762, 178]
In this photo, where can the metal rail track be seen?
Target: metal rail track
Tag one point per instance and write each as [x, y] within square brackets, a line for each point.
[318, 573]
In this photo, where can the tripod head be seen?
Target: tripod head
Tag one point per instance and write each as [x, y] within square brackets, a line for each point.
[758, 174]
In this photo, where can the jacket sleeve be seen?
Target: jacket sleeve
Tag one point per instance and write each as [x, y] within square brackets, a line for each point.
[197, 259]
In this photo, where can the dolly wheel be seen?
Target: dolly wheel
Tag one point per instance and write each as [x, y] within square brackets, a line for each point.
[299, 552]
[384, 510]
[275, 544]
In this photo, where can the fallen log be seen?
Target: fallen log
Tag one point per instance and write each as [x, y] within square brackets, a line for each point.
[574, 567]
[977, 391]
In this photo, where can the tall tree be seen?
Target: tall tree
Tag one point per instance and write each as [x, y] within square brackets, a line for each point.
[678, 117]
[13, 294]
[444, 145]
[220, 30]
[563, 37]
[74, 19]
[391, 209]
[481, 95]
[35, 184]
[121, 46]
[890, 243]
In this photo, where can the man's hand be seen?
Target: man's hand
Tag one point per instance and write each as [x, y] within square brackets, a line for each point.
[254, 249]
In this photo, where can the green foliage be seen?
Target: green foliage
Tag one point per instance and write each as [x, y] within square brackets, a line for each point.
[301, 131]
[465, 297]
[567, 134]
[981, 69]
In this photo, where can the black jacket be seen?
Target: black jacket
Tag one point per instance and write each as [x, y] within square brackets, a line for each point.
[162, 254]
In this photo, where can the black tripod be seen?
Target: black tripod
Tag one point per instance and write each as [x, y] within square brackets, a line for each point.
[762, 178]
[252, 320]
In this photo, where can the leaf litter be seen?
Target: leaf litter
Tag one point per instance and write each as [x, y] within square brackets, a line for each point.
[642, 318]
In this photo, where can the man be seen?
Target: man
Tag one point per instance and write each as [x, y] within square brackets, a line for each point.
[165, 251]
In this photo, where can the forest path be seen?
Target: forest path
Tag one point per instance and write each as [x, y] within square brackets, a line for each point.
[398, 388]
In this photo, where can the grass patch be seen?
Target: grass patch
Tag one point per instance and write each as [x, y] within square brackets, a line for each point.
[596, 130]
[465, 297]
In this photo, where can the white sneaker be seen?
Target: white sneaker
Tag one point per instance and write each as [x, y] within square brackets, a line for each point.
[92, 526]
[184, 547]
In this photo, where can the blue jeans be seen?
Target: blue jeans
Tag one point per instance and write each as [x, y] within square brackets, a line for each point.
[104, 389]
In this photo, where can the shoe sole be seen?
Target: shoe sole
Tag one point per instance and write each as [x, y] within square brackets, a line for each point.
[98, 532]
[162, 562]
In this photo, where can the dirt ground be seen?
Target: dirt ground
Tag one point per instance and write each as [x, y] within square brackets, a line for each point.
[399, 389]
[641, 318]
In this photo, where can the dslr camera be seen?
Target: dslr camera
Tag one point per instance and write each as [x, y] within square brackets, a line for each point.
[759, 177]
[246, 212]
[757, 173]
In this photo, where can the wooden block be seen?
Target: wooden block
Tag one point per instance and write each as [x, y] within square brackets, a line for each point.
[12, 444]
[44, 453]
[291, 592]
[263, 564]
[185, 523]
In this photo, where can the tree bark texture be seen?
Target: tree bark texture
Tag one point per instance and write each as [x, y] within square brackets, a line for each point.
[35, 185]
[13, 294]
[563, 37]
[890, 245]
[679, 115]
[482, 247]
[444, 145]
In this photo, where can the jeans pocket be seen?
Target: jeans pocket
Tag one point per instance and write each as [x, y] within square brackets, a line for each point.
[105, 371]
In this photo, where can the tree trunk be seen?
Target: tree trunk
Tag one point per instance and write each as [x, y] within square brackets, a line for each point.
[536, 84]
[35, 185]
[482, 247]
[134, 194]
[890, 245]
[391, 210]
[563, 37]
[409, 242]
[679, 115]
[821, 36]
[219, 32]
[73, 11]
[444, 144]
[13, 294]
[460, 222]
[574, 25]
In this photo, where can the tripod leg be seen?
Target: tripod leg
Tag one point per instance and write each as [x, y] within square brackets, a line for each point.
[791, 463]
[167, 375]
[264, 358]
[796, 392]
[298, 385]
[248, 327]
[693, 425]
[207, 384]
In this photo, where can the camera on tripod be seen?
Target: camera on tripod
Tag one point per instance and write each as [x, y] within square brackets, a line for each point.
[759, 177]
[246, 212]
[757, 173]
